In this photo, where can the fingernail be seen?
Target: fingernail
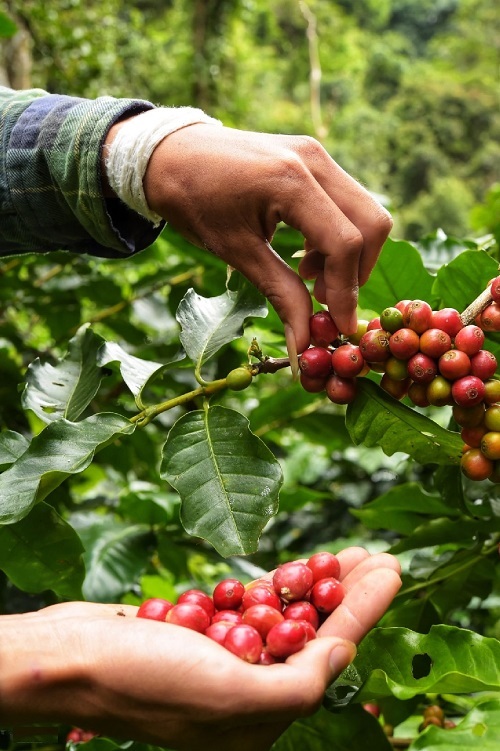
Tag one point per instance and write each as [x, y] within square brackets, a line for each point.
[291, 346]
[341, 656]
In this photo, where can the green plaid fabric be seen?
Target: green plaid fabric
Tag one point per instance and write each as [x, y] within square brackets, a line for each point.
[50, 177]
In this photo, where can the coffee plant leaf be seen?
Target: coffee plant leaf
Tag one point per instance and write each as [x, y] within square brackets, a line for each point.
[459, 282]
[402, 509]
[403, 663]
[227, 478]
[63, 448]
[478, 731]
[12, 446]
[35, 562]
[136, 372]
[343, 731]
[443, 531]
[116, 554]
[209, 323]
[399, 274]
[376, 419]
[66, 388]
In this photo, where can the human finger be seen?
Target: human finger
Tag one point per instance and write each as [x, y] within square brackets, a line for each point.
[371, 562]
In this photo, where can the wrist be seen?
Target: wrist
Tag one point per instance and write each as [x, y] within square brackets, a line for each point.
[38, 680]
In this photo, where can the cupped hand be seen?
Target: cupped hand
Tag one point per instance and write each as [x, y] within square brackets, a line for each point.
[226, 190]
[133, 678]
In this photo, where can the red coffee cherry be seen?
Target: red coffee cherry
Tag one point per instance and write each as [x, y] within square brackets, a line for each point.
[155, 609]
[190, 615]
[468, 391]
[198, 597]
[316, 362]
[327, 594]
[475, 465]
[323, 329]
[245, 642]
[228, 616]
[468, 417]
[447, 319]
[340, 390]
[404, 344]
[286, 638]
[454, 364]
[302, 611]
[495, 289]
[347, 361]
[266, 658]
[374, 324]
[261, 594]
[490, 445]
[490, 318]
[228, 594]
[324, 565]
[312, 385]
[470, 339]
[473, 436]
[483, 364]
[262, 618]
[434, 343]
[422, 368]
[374, 345]
[218, 631]
[292, 581]
[417, 316]
[402, 305]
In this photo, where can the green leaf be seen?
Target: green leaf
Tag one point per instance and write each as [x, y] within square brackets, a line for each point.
[116, 554]
[207, 324]
[63, 448]
[463, 279]
[399, 274]
[402, 508]
[136, 373]
[478, 731]
[41, 552]
[376, 419]
[403, 663]
[227, 478]
[7, 27]
[67, 388]
[462, 531]
[12, 446]
[343, 731]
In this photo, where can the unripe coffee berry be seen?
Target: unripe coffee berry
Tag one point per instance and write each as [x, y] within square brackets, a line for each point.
[238, 379]
[391, 319]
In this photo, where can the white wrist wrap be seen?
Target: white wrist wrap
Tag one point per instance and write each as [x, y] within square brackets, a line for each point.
[129, 154]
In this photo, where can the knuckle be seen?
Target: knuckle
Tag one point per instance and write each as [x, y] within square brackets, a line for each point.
[352, 242]
[383, 223]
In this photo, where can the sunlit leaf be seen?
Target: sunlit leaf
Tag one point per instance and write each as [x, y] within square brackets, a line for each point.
[478, 731]
[12, 446]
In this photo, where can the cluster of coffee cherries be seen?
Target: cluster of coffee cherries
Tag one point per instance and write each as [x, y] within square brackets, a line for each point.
[265, 621]
[429, 356]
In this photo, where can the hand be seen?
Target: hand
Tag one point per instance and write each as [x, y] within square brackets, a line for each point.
[226, 190]
[98, 667]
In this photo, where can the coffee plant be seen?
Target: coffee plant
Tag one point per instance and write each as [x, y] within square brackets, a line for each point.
[154, 442]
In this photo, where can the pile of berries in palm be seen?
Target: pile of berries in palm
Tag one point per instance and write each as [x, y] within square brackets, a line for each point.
[265, 621]
[429, 356]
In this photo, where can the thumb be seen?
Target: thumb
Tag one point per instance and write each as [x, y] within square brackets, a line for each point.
[324, 658]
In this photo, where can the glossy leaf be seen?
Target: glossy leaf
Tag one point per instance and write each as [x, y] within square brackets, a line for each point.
[478, 731]
[442, 531]
[67, 388]
[12, 446]
[376, 419]
[208, 323]
[463, 279]
[63, 448]
[227, 478]
[35, 560]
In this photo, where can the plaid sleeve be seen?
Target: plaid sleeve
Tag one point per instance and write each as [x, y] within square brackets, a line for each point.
[51, 195]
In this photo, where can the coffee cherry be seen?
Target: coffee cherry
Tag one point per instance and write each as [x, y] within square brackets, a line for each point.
[475, 465]
[417, 393]
[470, 339]
[340, 390]
[262, 618]
[327, 594]
[468, 391]
[302, 611]
[439, 392]
[374, 324]
[447, 319]
[238, 379]
[228, 594]
[245, 642]
[373, 709]
[292, 581]
[472, 436]
[347, 361]
[199, 598]
[434, 343]
[312, 385]
[391, 319]
[396, 389]
[286, 639]
[316, 362]
[490, 318]
[324, 565]
[491, 391]
[374, 345]
[218, 631]
[417, 316]
[454, 364]
[402, 305]
[155, 609]
[404, 344]
[490, 445]
[468, 417]
[361, 329]
[492, 417]
[261, 595]
[323, 329]
[422, 368]
[396, 369]
[228, 616]
[190, 615]
[483, 364]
